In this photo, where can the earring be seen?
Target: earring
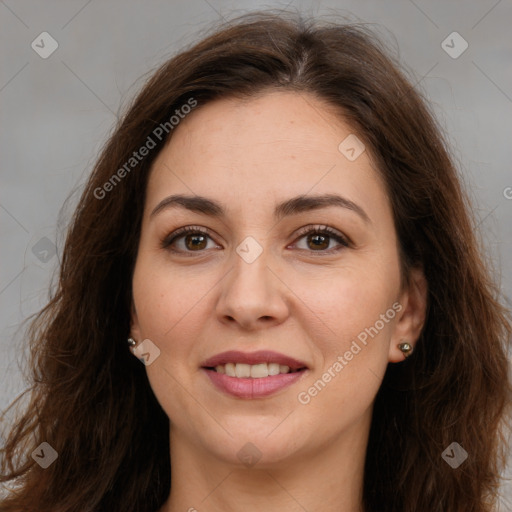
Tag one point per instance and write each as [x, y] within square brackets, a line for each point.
[406, 348]
[131, 342]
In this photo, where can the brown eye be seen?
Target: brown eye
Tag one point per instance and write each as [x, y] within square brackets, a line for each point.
[318, 239]
[196, 241]
[188, 239]
[192, 239]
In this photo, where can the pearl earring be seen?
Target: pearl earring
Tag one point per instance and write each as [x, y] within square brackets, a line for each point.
[406, 348]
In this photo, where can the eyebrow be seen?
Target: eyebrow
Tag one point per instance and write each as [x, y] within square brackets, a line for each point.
[293, 206]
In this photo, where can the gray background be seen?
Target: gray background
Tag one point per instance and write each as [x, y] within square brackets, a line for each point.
[57, 112]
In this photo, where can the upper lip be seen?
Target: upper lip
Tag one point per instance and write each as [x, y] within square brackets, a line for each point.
[261, 356]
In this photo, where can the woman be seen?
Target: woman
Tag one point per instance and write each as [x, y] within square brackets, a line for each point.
[277, 233]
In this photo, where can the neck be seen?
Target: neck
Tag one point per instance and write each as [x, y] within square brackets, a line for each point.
[328, 478]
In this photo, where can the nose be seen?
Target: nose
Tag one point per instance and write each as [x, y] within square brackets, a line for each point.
[253, 295]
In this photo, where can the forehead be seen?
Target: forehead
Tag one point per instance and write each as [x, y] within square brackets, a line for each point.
[259, 148]
[286, 121]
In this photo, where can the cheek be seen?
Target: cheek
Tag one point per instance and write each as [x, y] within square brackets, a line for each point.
[164, 296]
[357, 318]
[357, 323]
[347, 302]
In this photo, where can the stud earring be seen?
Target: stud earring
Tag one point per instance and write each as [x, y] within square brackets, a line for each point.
[132, 343]
[406, 348]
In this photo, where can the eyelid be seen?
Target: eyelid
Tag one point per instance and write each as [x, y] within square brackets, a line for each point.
[341, 238]
[185, 230]
[323, 228]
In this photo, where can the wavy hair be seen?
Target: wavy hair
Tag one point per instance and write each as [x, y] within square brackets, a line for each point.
[90, 399]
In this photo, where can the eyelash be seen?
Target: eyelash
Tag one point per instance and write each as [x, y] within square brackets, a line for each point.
[313, 230]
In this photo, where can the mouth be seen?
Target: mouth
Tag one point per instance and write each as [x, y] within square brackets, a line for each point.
[255, 365]
[253, 375]
[253, 371]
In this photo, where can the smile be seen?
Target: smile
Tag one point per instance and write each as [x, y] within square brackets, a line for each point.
[254, 371]
[253, 375]
[250, 388]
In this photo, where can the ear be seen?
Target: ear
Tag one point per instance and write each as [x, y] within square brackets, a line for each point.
[411, 318]
[135, 331]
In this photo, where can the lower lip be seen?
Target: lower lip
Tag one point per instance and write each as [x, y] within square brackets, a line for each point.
[253, 388]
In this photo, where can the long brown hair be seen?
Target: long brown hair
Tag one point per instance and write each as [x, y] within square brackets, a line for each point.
[91, 399]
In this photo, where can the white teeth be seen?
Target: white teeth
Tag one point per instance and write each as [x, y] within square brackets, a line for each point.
[259, 370]
[255, 371]
[242, 370]
[230, 369]
[273, 369]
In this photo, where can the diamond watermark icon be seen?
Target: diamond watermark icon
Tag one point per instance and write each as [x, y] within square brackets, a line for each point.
[44, 455]
[454, 45]
[351, 147]
[249, 454]
[44, 45]
[249, 249]
[147, 352]
[454, 455]
[44, 250]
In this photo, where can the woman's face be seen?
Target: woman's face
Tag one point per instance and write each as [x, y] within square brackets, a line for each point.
[258, 177]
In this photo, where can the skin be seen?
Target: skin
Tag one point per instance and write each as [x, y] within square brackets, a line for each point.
[306, 302]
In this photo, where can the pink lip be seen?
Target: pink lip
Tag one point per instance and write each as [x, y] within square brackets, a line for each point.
[262, 356]
[252, 388]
